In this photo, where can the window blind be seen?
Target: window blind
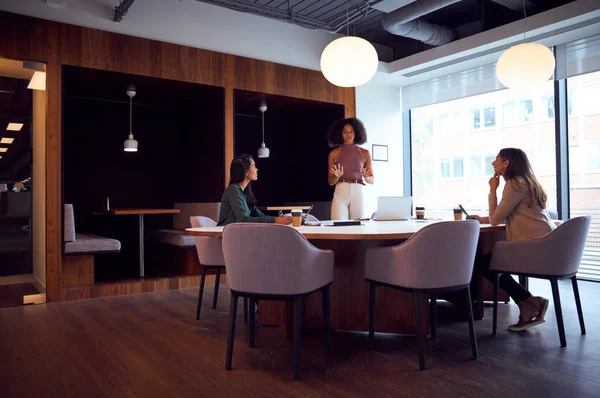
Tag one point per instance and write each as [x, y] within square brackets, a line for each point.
[578, 57]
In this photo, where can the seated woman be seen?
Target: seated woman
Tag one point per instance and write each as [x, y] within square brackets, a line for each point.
[523, 209]
[238, 203]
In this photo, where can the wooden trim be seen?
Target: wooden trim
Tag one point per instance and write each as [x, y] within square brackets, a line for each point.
[229, 116]
[54, 192]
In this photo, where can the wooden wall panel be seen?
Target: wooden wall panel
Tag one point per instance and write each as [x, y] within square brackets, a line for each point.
[24, 38]
[270, 78]
[27, 38]
[78, 270]
[98, 49]
[229, 115]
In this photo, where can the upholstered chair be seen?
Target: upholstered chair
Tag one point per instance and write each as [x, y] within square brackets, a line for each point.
[210, 255]
[437, 259]
[274, 262]
[555, 256]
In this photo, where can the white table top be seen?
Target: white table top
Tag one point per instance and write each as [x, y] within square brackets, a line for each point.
[284, 208]
[368, 230]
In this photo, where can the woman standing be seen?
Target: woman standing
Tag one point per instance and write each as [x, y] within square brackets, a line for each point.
[349, 164]
[523, 209]
[238, 203]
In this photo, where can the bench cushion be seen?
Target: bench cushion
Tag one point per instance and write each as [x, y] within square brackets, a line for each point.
[175, 237]
[87, 243]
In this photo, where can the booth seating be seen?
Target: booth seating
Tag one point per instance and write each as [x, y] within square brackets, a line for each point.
[79, 251]
[176, 236]
[176, 251]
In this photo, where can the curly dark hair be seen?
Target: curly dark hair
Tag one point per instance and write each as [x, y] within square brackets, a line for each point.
[334, 137]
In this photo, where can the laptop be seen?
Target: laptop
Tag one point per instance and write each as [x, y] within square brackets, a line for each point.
[393, 208]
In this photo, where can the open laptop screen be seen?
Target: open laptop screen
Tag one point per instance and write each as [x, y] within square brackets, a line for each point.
[393, 208]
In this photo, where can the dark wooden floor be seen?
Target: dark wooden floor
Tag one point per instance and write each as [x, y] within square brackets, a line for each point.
[149, 345]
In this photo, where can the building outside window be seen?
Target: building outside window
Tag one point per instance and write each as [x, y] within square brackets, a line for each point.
[584, 163]
[464, 160]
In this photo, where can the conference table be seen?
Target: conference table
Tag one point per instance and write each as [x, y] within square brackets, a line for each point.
[349, 292]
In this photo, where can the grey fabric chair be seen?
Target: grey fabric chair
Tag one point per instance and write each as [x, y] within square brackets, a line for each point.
[210, 255]
[437, 259]
[523, 280]
[274, 262]
[555, 256]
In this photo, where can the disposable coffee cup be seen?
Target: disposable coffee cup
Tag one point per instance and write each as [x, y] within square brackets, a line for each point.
[420, 213]
[296, 218]
[458, 214]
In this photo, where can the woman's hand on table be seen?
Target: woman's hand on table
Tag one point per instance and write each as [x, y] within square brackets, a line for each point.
[478, 218]
[283, 220]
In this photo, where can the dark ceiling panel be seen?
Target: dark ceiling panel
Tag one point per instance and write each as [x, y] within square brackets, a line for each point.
[466, 18]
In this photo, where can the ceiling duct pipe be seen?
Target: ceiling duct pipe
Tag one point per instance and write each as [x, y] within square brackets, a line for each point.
[404, 22]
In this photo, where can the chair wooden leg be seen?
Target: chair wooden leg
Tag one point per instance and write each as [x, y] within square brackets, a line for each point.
[326, 318]
[251, 322]
[471, 322]
[433, 316]
[245, 303]
[201, 292]
[372, 295]
[231, 334]
[297, 335]
[578, 303]
[558, 309]
[495, 316]
[216, 293]
[419, 325]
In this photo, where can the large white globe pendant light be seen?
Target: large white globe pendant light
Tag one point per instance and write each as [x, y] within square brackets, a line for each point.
[525, 65]
[349, 61]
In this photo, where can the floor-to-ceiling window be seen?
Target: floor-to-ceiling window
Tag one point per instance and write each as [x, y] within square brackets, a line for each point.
[584, 162]
[455, 142]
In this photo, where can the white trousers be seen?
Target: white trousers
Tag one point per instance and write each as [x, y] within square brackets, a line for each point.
[348, 201]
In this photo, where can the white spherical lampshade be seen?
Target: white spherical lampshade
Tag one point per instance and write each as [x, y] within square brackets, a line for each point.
[525, 65]
[349, 61]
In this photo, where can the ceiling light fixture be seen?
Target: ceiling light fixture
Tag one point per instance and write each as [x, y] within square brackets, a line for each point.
[3, 149]
[525, 65]
[349, 61]
[6, 140]
[38, 81]
[130, 144]
[263, 151]
[14, 126]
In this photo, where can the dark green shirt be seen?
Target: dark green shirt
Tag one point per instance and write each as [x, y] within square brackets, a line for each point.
[234, 208]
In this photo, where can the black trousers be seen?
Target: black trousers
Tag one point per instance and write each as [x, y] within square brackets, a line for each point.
[517, 292]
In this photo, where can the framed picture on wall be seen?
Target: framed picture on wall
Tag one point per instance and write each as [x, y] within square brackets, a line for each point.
[380, 153]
